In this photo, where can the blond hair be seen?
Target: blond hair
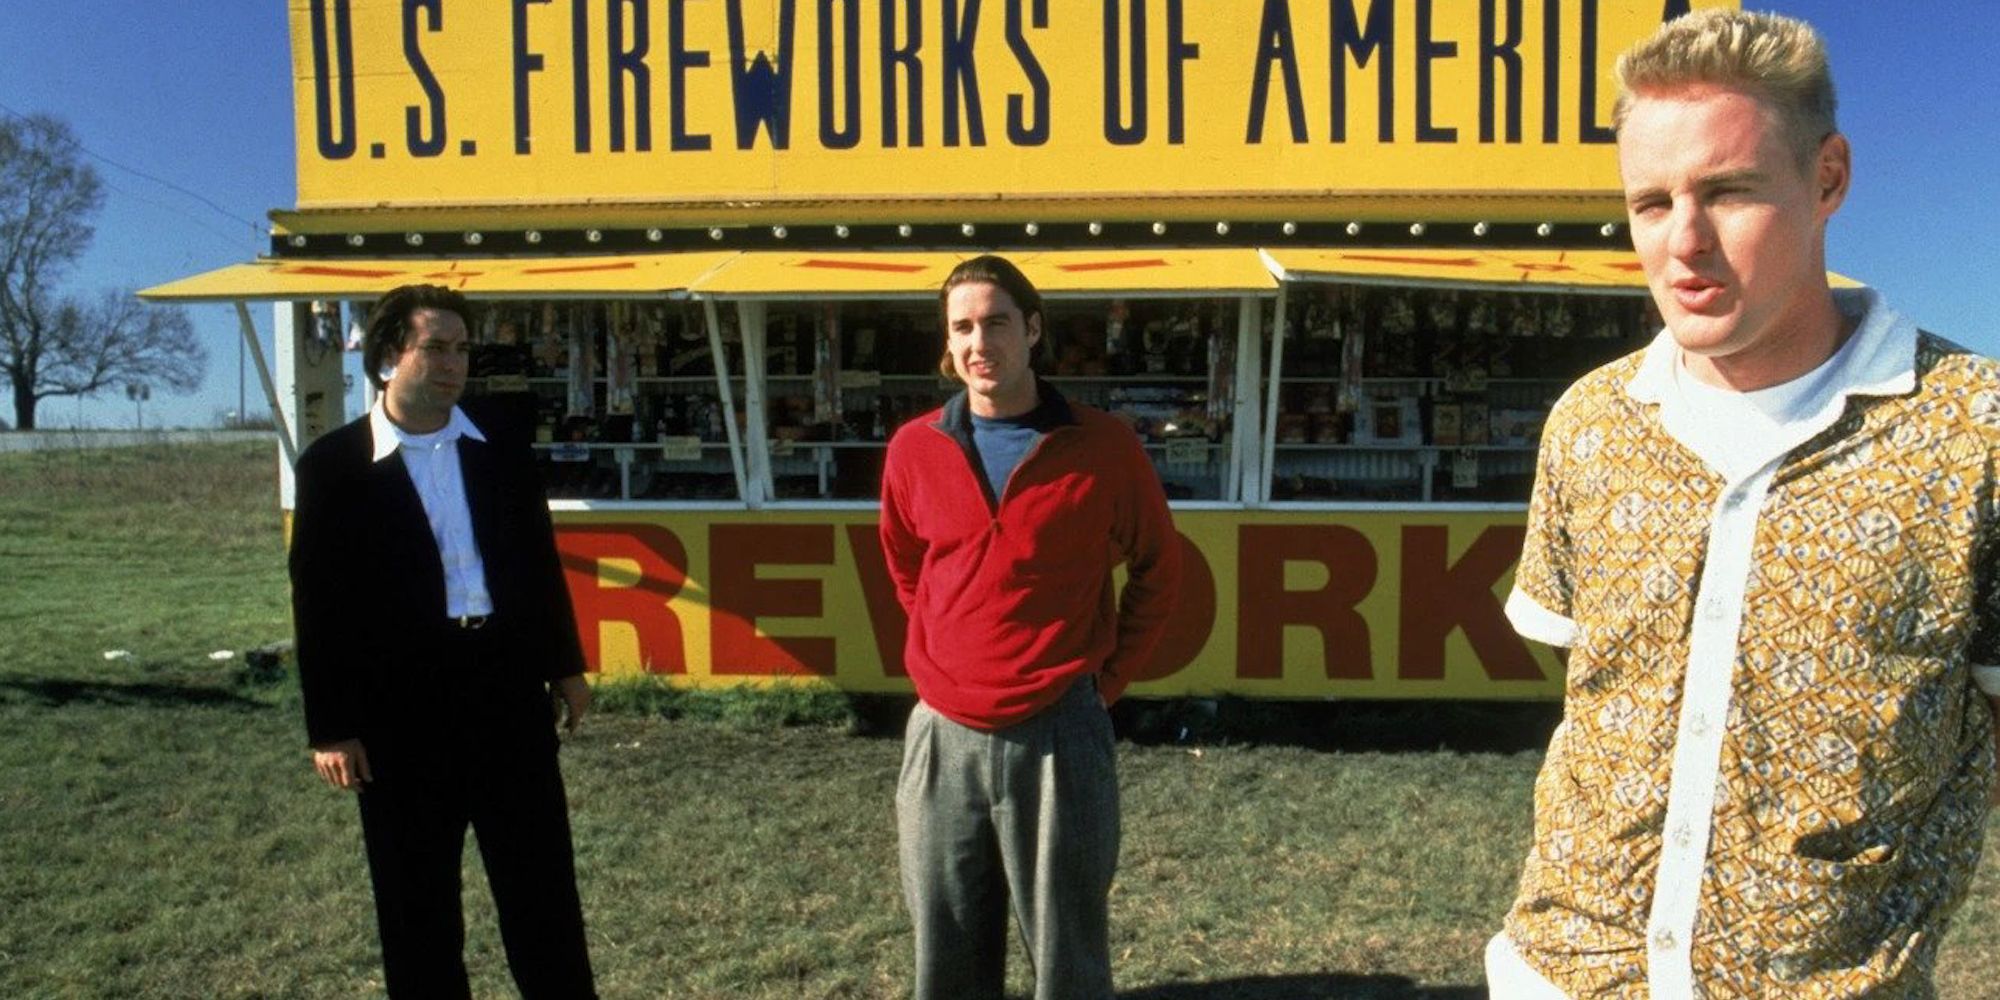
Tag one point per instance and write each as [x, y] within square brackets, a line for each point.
[1778, 58]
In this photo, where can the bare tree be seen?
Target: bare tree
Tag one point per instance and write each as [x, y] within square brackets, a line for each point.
[119, 340]
[53, 344]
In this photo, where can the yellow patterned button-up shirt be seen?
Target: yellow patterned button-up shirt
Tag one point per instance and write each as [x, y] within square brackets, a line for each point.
[1772, 770]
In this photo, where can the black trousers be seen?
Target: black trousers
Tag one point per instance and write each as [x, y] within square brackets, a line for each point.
[486, 759]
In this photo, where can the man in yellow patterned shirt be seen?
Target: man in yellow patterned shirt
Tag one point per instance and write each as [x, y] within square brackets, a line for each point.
[1768, 543]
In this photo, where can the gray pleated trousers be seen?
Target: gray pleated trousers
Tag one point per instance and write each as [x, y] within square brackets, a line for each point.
[1027, 815]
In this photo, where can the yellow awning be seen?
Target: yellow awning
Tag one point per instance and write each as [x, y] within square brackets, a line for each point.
[540, 277]
[788, 274]
[732, 274]
[918, 274]
[1610, 270]
[1526, 270]
[1197, 272]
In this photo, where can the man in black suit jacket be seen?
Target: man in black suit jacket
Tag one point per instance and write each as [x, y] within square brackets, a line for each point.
[435, 638]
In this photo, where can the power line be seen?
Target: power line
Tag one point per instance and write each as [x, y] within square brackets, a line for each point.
[192, 218]
[255, 229]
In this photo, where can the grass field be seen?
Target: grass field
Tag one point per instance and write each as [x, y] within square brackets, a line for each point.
[161, 834]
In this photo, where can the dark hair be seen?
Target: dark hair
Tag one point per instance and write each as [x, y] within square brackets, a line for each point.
[389, 323]
[998, 271]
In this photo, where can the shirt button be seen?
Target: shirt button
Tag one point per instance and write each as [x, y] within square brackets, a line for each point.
[1683, 836]
[1711, 610]
[1663, 940]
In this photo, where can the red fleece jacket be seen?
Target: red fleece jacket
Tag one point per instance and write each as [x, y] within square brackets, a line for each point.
[1010, 605]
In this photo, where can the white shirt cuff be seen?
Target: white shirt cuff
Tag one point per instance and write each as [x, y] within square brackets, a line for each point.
[1510, 977]
[1988, 679]
[1539, 623]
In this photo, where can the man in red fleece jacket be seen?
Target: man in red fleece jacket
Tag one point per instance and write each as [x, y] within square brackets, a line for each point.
[1004, 513]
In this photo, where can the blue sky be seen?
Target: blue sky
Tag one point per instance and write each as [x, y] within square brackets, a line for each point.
[198, 95]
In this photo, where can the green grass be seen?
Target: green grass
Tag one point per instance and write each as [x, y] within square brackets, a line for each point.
[161, 834]
[743, 707]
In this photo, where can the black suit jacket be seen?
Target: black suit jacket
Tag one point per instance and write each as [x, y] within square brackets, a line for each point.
[368, 582]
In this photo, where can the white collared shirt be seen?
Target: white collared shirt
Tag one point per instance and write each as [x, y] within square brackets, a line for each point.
[432, 462]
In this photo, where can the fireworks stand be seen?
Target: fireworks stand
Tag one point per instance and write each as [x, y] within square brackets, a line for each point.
[1333, 268]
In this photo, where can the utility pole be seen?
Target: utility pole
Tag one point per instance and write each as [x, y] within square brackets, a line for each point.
[138, 394]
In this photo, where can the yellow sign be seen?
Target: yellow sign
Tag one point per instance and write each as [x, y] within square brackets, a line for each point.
[1272, 604]
[728, 102]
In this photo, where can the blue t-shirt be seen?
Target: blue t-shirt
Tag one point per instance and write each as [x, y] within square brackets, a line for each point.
[1002, 442]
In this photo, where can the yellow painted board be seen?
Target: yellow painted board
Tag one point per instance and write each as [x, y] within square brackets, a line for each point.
[1440, 205]
[1271, 604]
[734, 105]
